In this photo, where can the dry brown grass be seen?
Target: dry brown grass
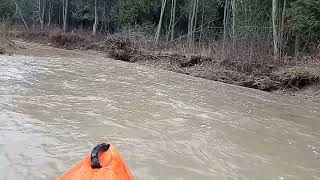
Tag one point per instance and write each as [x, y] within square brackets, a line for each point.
[297, 76]
[6, 45]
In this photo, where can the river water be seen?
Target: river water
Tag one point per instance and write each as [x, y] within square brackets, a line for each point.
[56, 105]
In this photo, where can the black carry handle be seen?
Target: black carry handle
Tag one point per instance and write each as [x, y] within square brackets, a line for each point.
[95, 163]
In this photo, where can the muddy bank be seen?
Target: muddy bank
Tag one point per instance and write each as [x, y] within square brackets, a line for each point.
[134, 49]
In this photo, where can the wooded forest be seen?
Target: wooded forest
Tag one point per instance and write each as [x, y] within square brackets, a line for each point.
[284, 26]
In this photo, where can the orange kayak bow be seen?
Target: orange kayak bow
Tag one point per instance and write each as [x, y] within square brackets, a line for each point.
[105, 163]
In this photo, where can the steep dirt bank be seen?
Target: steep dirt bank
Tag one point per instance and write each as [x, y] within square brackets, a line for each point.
[267, 77]
[311, 92]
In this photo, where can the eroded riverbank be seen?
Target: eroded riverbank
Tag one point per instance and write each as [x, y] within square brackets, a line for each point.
[57, 104]
[267, 74]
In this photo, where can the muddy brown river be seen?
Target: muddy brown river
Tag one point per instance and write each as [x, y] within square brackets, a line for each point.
[56, 105]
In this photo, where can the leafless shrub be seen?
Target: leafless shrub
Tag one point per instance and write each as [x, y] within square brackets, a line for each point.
[6, 45]
[297, 76]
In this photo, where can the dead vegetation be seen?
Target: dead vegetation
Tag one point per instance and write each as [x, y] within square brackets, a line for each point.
[259, 72]
[297, 77]
[6, 45]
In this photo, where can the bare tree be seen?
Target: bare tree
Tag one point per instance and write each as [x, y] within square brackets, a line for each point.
[173, 14]
[20, 14]
[34, 9]
[157, 36]
[275, 28]
[65, 14]
[104, 16]
[172, 20]
[282, 26]
[297, 47]
[42, 7]
[192, 22]
[50, 2]
[201, 25]
[195, 22]
[95, 25]
[233, 21]
[225, 22]
[189, 24]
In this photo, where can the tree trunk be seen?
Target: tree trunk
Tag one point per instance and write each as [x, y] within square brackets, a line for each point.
[189, 25]
[282, 27]
[173, 19]
[34, 14]
[50, 12]
[95, 25]
[275, 28]
[104, 23]
[234, 22]
[59, 13]
[22, 18]
[65, 15]
[195, 22]
[201, 25]
[41, 13]
[225, 26]
[297, 47]
[192, 23]
[157, 36]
